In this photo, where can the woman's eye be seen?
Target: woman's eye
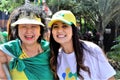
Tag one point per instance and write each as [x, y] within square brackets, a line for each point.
[23, 26]
[64, 26]
[55, 26]
[33, 26]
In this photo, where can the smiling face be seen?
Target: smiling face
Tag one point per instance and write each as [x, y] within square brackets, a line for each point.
[29, 33]
[62, 33]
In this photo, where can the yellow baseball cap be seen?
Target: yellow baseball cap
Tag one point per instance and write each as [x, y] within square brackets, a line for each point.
[65, 16]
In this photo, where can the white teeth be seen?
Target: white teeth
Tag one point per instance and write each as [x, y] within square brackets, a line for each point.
[29, 36]
[60, 36]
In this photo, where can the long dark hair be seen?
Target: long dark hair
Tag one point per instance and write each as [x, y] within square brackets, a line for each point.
[78, 49]
[28, 8]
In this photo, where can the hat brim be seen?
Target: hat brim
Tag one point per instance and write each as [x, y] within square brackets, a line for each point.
[27, 21]
[58, 19]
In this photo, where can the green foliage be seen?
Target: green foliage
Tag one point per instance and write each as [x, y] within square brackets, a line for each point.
[114, 56]
[116, 48]
[2, 40]
[115, 51]
[3, 37]
[9, 5]
[117, 76]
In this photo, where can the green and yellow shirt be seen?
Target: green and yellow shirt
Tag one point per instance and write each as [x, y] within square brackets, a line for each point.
[28, 68]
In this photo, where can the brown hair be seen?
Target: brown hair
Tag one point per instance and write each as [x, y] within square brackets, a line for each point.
[78, 49]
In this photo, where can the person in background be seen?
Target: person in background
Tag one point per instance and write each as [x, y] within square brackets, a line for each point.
[47, 30]
[26, 53]
[72, 58]
[47, 34]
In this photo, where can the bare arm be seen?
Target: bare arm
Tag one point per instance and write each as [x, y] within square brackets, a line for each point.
[112, 78]
[3, 60]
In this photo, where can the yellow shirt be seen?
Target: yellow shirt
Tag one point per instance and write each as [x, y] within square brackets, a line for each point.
[16, 75]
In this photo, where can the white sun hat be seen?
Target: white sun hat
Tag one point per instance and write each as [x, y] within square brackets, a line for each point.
[28, 19]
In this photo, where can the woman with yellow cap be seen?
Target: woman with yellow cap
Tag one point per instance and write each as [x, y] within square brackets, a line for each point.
[73, 58]
[26, 54]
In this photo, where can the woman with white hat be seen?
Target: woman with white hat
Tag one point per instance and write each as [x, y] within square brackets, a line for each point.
[26, 54]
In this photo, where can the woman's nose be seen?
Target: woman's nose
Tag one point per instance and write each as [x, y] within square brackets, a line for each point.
[60, 29]
[28, 29]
